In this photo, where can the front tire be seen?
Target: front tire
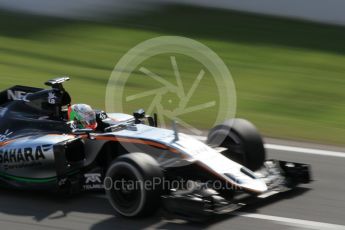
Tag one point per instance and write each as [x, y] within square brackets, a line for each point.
[243, 142]
[127, 181]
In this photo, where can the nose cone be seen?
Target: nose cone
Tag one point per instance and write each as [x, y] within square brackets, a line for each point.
[245, 182]
[257, 186]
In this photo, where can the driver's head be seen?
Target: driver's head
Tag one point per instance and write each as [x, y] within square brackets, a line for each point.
[83, 116]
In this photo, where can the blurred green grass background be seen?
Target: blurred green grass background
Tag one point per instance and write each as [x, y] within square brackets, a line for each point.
[289, 75]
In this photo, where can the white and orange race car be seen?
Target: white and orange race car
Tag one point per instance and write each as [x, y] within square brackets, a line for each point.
[140, 166]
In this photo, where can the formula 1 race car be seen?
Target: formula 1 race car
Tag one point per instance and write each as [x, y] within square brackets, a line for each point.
[141, 167]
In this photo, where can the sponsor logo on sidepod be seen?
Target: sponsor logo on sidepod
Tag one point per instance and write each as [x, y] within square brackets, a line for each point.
[23, 157]
[93, 181]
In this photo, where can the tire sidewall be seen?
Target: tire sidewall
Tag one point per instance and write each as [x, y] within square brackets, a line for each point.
[240, 130]
[138, 176]
[144, 168]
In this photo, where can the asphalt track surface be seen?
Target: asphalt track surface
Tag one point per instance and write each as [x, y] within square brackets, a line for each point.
[320, 205]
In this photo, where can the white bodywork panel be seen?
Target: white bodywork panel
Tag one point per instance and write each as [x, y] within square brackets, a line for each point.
[195, 150]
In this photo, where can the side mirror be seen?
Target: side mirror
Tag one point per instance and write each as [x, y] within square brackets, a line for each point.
[153, 121]
[138, 115]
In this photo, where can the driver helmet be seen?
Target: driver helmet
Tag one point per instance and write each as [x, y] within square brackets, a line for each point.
[83, 116]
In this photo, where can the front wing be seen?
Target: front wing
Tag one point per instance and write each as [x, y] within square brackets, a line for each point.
[204, 202]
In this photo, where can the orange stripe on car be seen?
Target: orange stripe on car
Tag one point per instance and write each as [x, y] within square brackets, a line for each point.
[6, 143]
[137, 141]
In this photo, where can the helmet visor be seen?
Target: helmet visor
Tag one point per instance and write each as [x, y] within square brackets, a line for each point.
[84, 116]
[89, 120]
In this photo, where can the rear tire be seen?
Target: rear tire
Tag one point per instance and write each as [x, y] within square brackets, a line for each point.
[243, 142]
[127, 185]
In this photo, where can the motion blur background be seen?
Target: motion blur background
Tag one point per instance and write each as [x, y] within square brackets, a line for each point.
[286, 56]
